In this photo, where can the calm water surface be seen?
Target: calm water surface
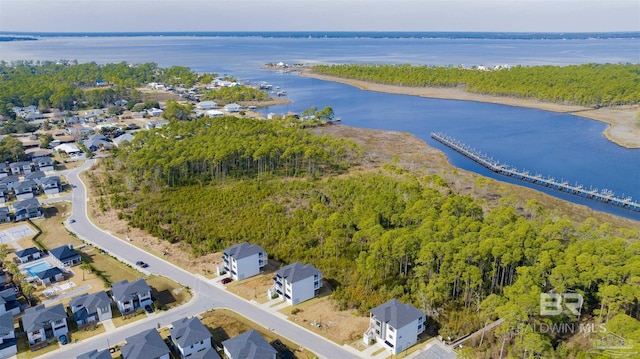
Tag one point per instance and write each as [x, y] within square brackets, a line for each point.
[563, 146]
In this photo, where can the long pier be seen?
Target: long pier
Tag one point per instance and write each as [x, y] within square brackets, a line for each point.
[604, 195]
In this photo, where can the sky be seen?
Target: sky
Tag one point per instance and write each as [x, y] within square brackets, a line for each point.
[319, 15]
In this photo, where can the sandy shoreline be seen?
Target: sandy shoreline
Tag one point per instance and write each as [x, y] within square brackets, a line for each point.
[621, 129]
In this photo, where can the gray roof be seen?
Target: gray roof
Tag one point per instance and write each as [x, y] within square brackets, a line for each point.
[52, 179]
[26, 204]
[95, 354]
[64, 252]
[19, 164]
[34, 318]
[209, 353]
[125, 137]
[296, 272]
[27, 252]
[9, 179]
[6, 323]
[243, 250]
[91, 301]
[34, 175]
[25, 185]
[48, 273]
[187, 332]
[124, 290]
[396, 314]
[146, 345]
[249, 345]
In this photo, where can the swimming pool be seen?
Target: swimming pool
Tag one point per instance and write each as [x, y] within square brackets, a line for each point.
[37, 268]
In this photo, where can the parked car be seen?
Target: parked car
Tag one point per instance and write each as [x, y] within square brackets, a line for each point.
[72, 220]
[148, 309]
[142, 264]
[226, 280]
[63, 339]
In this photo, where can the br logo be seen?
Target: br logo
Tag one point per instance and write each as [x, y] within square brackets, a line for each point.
[560, 303]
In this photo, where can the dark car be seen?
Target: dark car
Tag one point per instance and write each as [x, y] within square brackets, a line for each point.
[226, 280]
[148, 309]
[72, 220]
[142, 264]
[63, 339]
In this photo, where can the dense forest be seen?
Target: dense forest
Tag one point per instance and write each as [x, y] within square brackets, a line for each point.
[586, 85]
[377, 234]
[66, 85]
[226, 95]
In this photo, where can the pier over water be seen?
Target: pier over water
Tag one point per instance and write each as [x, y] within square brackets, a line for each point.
[604, 195]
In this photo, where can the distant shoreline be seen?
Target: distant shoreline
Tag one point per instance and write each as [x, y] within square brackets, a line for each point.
[621, 130]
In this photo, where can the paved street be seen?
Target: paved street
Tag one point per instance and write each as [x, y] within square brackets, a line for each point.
[206, 295]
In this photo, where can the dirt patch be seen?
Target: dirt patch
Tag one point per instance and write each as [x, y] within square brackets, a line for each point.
[255, 288]
[622, 130]
[323, 317]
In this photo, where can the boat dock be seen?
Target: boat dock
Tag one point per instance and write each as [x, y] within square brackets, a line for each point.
[604, 195]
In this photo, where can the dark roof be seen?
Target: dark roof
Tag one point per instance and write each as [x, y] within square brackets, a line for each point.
[243, 250]
[249, 345]
[396, 314]
[91, 301]
[26, 204]
[146, 345]
[27, 252]
[24, 185]
[296, 272]
[209, 353]
[95, 354]
[8, 295]
[52, 179]
[9, 179]
[187, 332]
[6, 323]
[34, 317]
[124, 290]
[64, 253]
[51, 272]
[34, 175]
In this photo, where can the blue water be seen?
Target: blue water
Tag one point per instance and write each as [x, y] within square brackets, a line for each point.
[563, 146]
[37, 268]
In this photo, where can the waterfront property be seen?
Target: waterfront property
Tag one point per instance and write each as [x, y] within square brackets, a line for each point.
[296, 283]
[8, 342]
[243, 260]
[148, 345]
[131, 296]
[232, 107]
[66, 256]
[89, 309]
[191, 339]
[395, 325]
[248, 345]
[42, 324]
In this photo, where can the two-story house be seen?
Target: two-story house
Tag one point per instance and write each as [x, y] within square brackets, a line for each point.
[191, 339]
[395, 325]
[91, 308]
[131, 296]
[9, 181]
[243, 260]
[35, 176]
[5, 216]
[42, 324]
[28, 208]
[25, 189]
[4, 170]
[296, 283]
[4, 193]
[18, 168]
[44, 164]
[8, 341]
[9, 302]
[248, 345]
[66, 256]
[147, 345]
[51, 185]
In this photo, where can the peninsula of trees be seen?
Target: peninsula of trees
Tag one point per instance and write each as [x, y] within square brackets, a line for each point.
[586, 85]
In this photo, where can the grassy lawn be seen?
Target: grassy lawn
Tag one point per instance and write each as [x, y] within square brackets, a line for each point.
[168, 292]
[224, 324]
[24, 352]
[76, 335]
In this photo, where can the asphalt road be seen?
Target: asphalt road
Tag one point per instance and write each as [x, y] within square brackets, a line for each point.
[206, 296]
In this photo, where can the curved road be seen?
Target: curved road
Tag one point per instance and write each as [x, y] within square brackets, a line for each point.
[206, 296]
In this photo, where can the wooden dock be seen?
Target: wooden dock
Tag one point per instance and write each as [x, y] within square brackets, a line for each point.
[604, 195]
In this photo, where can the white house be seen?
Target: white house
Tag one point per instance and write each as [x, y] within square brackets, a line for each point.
[214, 113]
[395, 325]
[25, 189]
[8, 342]
[248, 345]
[42, 324]
[155, 112]
[50, 275]
[147, 345]
[131, 296]
[69, 148]
[296, 283]
[66, 256]
[51, 185]
[189, 336]
[206, 105]
[91, 308]
[243, 260]
[232, 107]
[28, 254]
[28, 208]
